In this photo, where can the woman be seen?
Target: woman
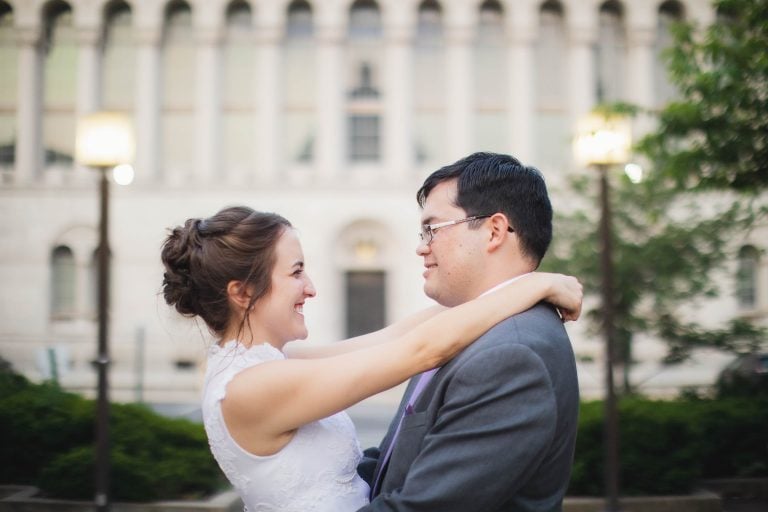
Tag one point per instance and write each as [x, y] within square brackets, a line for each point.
[275, 423]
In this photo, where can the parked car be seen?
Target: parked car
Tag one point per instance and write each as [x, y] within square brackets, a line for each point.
[747, 374]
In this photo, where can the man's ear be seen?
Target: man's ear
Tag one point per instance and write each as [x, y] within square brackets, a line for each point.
[239, 294]
[499, 231]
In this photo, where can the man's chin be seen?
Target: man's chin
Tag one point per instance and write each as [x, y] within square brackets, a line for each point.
[434, 295]
[444, 299]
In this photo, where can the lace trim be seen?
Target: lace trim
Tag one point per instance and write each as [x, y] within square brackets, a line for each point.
[234, 357]
[254, 353]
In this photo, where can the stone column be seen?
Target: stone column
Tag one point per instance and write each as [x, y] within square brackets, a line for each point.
[268, 103]
[398, 103]
[29, 113]
[459, 90]
[147, 122]
[208, 105]
[330, 142]
[88, 71]
[89, 82]
[581, 72]
[641, 75]
[521, 103]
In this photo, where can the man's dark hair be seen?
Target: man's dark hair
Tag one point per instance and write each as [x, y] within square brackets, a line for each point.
[488, 183]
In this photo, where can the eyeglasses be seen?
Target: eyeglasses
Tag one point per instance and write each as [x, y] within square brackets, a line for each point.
[428, 230]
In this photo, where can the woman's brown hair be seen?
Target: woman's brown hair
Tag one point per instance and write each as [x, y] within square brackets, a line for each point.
[204, 255]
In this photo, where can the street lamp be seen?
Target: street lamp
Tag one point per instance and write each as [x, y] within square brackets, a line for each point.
[103, 140]
[603, 141]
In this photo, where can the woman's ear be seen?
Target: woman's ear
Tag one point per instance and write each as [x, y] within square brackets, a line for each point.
[239, 294]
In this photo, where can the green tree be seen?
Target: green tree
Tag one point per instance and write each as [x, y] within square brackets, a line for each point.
[667, 246]
[715, 136]
[675, 229]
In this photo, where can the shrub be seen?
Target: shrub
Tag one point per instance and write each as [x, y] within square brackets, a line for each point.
[133, 478]
[734, 437]
[41, 422]
[69, 475]
[587, 472]
[665, 447]
[657, 452]
[151, 457]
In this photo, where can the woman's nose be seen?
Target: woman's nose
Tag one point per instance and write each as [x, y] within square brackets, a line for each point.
[309, 288]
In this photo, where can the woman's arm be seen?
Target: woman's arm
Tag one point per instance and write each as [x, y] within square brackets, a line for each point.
[304, 350]
[558, 296]
[266, 403]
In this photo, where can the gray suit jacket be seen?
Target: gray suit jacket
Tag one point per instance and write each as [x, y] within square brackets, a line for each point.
[495, 428]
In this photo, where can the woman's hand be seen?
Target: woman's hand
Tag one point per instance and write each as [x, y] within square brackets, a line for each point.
[567, 294]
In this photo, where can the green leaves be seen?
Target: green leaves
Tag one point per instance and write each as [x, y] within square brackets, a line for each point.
[674, 232]
[716, 135]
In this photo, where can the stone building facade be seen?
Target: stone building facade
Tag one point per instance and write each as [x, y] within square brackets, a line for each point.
[329, 112]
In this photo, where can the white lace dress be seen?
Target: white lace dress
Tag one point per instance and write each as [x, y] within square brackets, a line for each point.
[315, 472]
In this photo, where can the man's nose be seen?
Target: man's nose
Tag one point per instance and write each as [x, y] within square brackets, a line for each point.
[422, 248]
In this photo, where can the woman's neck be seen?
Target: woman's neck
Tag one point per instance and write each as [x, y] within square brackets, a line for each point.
[247, 338]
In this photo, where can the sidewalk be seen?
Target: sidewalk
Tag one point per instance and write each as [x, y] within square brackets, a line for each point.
[741, 494]
[745, 505]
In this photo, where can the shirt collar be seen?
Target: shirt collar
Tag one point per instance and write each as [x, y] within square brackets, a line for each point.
[505, 283]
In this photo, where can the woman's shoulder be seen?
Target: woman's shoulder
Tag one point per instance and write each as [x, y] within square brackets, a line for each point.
[227, 360]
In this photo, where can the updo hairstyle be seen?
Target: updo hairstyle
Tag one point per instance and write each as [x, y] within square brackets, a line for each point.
[204, 255]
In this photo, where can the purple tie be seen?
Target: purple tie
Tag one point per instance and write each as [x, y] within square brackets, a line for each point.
[420, 385]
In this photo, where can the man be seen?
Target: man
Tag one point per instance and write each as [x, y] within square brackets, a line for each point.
[494, 429]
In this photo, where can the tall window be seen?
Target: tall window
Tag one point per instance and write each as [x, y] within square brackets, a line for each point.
[119, 88]
[670, 12]
[364, 119]
[490, 80]
[8, 98]
[363, 76]
[239, 90]
[365, 136]
[298, 85]
[747, 277]
[429, 84]
[552, 126]
[178, 91]
[611, 53]
[366, 302]
[364, 20]
[63, 283]
[60, 84]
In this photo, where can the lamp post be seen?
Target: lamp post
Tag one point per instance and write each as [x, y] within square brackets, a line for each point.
[103, 141]
[603, 141]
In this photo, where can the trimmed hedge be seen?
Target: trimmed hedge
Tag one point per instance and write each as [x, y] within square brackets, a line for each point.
[37, 423]
[668, 446]
[48, 441]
